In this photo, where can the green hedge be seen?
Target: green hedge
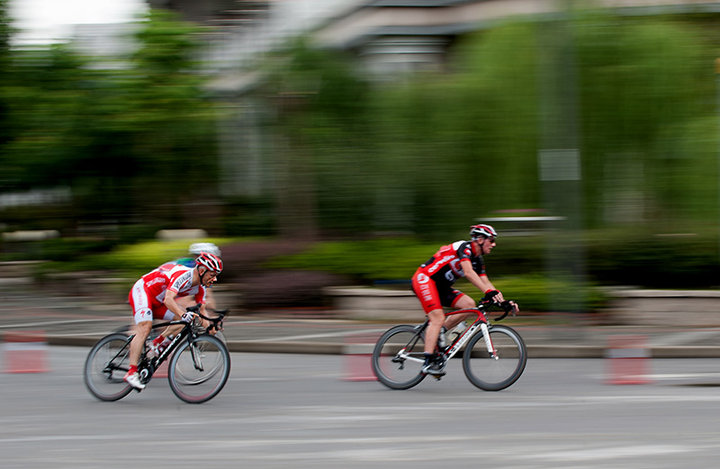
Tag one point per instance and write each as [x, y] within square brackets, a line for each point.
[610, 258]
[131, 260]
[518, 264]
[378, 261]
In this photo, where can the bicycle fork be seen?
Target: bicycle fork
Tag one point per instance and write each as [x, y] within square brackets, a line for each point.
[196, 357]
[488, 341]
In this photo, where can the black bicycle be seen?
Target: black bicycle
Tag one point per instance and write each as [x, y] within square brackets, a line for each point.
[494, 356]
[199, 362]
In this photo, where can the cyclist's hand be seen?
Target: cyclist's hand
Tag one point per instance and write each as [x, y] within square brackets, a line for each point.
[515, 308]
[209, 327]
[188, 316]
[493, 296]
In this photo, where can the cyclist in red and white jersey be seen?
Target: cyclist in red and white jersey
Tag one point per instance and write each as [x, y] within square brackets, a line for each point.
[433, 285]
[155, 295]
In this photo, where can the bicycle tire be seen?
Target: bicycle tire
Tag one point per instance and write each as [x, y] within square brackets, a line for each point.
[105, 368]
[199, 369]
[399, 372]
[494, 374]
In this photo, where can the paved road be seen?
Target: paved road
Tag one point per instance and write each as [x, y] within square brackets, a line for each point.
[291, 410]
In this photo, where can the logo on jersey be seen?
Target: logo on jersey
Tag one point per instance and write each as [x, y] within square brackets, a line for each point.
[440, 263]
[422, 278]
[156, 280]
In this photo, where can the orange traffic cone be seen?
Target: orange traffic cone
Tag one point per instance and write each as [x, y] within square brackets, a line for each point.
[627, 360]
[25, 352]
[358, 358]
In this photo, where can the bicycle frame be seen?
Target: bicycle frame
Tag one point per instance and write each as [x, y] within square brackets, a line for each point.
[481, 322]
[147, 367]
[187, 332]
[493, 356]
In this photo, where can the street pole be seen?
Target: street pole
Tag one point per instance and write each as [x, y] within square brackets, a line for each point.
[559, 161]
[717, 90]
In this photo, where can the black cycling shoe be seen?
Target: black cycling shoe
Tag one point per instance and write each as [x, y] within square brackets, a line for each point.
[434, 365]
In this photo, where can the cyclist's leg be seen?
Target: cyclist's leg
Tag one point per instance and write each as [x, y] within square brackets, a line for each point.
[167, 315]
[141, 331]
[436, 317]
[143, 316]
[427, 292]
[462, 301]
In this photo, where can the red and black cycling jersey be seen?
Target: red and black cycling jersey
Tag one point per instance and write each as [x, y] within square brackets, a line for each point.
[444, 267]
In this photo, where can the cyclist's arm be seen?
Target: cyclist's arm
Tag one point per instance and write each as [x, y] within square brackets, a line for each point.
[210, 299]
[172, 304]
[206, 323]
[481, 282]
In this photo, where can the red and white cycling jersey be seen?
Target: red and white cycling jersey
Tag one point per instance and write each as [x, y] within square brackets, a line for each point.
[148, 294]
[173, 277]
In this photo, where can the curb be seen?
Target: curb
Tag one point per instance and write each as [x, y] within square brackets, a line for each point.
[329, 348]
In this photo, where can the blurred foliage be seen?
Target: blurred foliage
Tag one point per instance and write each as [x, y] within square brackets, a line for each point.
[433, 150]
[423, 155]
[131, 261]
[251, 217]
[64, 250]
[613, 257]
[397, 259]
[517, 265]
[539, 293]
[123, 138]
[364, 261]
[320, 154]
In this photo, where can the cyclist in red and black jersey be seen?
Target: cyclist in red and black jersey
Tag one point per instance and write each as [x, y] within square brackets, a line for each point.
[433, 284]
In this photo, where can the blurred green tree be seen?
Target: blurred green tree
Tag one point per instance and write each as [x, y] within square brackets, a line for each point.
[5, 34]
[133, 141]
[438, 150]
[321, 145]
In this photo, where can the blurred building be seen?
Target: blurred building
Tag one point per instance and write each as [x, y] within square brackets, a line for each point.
[387, 36]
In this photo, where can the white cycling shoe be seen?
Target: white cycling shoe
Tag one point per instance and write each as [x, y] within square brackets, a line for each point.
[134, 381]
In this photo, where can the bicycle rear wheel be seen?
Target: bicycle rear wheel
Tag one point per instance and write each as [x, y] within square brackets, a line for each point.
[199, 369]
[105, 367]
[495, 373]
[398, 358]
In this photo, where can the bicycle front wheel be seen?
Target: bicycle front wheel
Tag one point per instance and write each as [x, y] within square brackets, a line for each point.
[105, 368]
[498, 370]
[199, 369]
[398, 358]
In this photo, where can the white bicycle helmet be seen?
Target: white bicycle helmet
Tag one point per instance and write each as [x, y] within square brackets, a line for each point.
[197, 248]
